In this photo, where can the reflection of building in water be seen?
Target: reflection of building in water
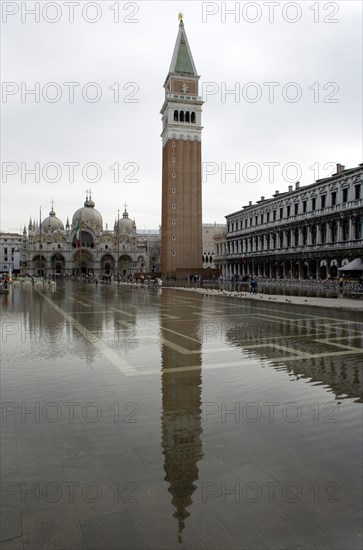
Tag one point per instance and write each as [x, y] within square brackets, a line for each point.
[181, 411]
[342, 373]
[40, 324]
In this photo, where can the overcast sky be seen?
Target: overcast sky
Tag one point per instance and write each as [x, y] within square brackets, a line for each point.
[308, 119]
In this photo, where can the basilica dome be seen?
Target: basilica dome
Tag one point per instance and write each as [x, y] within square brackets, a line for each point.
[88, 216]
[52, 222]
[126, 226]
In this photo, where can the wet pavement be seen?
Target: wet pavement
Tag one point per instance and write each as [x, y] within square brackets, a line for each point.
[136, 417]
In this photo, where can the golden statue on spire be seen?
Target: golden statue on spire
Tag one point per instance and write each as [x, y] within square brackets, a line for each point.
[180, 16]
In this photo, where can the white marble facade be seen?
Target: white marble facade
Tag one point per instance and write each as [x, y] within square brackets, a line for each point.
[85, 247]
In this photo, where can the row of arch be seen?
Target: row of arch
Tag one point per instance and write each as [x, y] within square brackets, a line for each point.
[83, 261]
[333, 232]
[184, 116]
[305, 268]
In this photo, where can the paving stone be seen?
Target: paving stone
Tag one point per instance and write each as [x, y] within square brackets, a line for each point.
[52, 529]
[112, 531]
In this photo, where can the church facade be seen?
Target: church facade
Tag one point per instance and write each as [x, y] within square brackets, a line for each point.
[84, 247]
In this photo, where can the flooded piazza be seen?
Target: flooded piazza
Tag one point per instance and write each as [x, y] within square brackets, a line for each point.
[139, 417]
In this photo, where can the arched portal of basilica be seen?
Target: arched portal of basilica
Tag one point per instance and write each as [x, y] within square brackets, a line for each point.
[83, 263]
[58, 263]
[107, 264]
[125, 263]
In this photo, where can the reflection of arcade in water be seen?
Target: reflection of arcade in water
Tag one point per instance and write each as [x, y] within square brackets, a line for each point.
[315, 349]
[181, 413]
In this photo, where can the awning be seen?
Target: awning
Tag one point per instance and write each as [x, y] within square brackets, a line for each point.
[354, 265]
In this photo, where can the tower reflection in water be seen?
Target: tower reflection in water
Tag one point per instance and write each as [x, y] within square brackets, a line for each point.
[181, 410]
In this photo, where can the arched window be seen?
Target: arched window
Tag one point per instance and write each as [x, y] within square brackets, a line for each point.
[345, 230]
[313, 234]
[323, 233]
[187, 116]
[181, 116]
[305, 235]
[357, 228]
[334, 232]
[192, 118]
[175, 116]
[296, 235]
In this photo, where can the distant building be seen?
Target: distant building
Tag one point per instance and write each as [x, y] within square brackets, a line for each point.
[209, 231]
[306, 232]
[10, 257]
[85, 247]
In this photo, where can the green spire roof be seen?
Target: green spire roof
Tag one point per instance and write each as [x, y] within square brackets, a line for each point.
[182, 61]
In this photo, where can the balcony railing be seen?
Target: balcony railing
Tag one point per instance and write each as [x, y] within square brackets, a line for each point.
[352, 244]
[313, 214]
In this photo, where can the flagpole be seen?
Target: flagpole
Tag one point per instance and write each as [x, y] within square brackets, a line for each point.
[40, 240]
[118, 246]
[80, 244]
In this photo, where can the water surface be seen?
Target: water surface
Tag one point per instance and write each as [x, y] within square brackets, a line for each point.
[157, 418]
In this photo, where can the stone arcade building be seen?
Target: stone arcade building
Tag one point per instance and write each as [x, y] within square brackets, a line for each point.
[306, 232]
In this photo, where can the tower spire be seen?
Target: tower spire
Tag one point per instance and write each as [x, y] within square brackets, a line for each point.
[182, 61]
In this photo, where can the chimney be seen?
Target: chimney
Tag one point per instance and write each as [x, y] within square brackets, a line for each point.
[340, 168]
[277, 192]
[250, 203]
[290, 188]
[297, 185]
[262, 198]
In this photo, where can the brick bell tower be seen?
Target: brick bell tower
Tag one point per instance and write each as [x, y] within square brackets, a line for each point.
[181, 224]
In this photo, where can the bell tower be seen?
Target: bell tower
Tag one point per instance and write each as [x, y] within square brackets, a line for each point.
[181, 224]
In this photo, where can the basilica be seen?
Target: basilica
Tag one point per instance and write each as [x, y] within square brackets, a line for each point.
[84, 247]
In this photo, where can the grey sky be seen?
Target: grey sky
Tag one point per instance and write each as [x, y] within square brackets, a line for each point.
[324, 126]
